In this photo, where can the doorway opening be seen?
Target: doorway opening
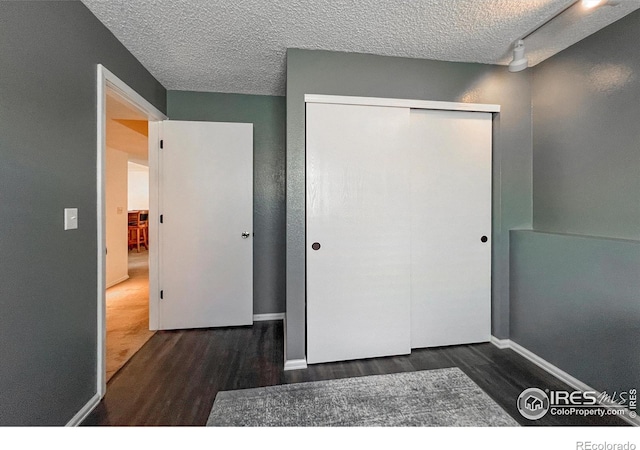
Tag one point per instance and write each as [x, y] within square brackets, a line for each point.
[127, 138]
[127, 246]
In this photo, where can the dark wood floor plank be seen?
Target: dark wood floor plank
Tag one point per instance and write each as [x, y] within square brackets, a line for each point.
[431, 359]
[175, 377]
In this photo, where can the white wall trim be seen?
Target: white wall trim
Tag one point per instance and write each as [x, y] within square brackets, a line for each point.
[401, 103]
[155, 130]
[553, 370]
[84, 412]
[106, 80]
[500, 343]
[269, 316]
[131, 97]
[102, 240]
[118, 281]
[295, 364]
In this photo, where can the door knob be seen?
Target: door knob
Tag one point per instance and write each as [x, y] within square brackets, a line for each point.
[245, 234]
[483, 239]
[315, 246]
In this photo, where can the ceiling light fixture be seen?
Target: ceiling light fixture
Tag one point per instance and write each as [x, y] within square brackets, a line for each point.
[591, 3]
[520, 61]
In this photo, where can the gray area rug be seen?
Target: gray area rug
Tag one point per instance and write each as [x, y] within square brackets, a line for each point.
[441, 398]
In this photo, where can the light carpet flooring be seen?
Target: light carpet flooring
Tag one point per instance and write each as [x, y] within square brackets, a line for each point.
[128, 313]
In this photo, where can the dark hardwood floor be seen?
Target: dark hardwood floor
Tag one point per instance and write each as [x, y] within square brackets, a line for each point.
[174, 378]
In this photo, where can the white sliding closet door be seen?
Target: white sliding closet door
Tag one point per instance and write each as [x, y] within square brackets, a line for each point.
[450, 214]
[358, 285]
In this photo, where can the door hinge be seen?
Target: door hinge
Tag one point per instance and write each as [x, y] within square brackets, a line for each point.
[161, 143]
[161, 295]
[161, 218]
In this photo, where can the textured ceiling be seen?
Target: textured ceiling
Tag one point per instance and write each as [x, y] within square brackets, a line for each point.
[240, 46]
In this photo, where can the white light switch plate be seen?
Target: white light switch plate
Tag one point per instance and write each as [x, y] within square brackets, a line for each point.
[70, 218]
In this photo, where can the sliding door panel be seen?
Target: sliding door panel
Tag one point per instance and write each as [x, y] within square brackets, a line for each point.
[358, 232]
[450, 227]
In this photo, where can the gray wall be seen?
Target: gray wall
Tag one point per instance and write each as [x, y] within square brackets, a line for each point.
[267, 114]
[323, 72]
[48, 304]
[586, 103]
[575, 301]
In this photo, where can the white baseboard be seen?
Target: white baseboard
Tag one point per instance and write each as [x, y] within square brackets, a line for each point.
[84, 412]
[553, 370]
[500, 343]
[118, 281]
[295, 364]
[546, 365]
[270, 316]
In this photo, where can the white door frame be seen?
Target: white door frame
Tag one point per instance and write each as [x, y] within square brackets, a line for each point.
[401, 103]
[108, 81]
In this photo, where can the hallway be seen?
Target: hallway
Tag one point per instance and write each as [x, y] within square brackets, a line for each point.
[128, 313]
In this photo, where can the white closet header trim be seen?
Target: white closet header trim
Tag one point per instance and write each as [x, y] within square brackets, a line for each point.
[401, 103]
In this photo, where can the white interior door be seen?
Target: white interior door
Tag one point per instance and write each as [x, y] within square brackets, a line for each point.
[206, 202]
[450, 213]
[358, 286]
